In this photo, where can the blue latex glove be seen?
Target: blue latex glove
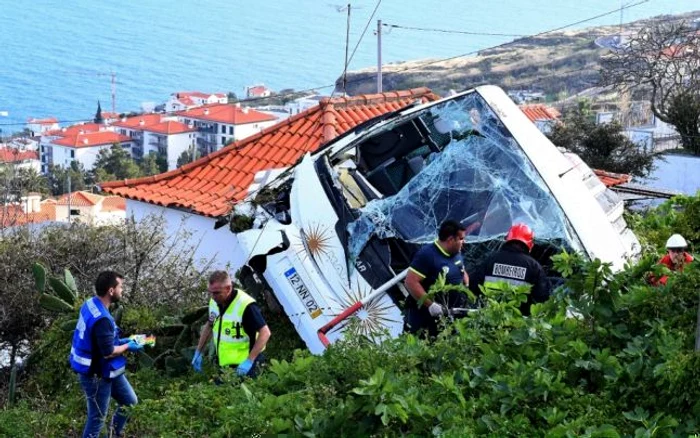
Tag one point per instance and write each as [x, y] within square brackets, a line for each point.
[123, 341]
[197, 361]
[134, 346]
[244, 368]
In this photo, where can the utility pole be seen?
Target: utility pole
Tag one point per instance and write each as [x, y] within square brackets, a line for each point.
[69, 194]
[347, 44]
[114, 92]
[379, 56]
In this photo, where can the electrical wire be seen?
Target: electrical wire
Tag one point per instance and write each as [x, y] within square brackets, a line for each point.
[413, 67]
[426, 29]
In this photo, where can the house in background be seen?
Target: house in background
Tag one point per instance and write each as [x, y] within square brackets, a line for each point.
[543, 116]
[83, 148]
[198, 194]
[41, 126]
[170, 139]
[184, 100]
[219, 124]
[257, 91]
[81, 207]
[19, 159]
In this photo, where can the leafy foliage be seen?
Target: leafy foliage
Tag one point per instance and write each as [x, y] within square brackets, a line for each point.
[601, 146]
[607, 356]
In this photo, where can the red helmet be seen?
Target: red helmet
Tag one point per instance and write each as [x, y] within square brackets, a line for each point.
[521, 233]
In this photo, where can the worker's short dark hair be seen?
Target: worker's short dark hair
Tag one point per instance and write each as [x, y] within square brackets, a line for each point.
[450, 228]
[105, 281]
[219, 277]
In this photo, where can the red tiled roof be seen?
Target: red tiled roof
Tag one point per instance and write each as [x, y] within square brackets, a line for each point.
[114, 203]
[80, 199]
[169, 128]
[11, 155]
[536, 112]
[186, 101]
[92, 139]
[198, 94]
[46, 121]
[610, 179]
[225, 113]
[139, 122]
[211, 184]
[14, 215]
[74, 130]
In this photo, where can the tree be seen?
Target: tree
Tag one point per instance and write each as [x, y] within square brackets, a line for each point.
[149, 165]
[232, 98]
[57, 178]
[187, 156]
[664, 60]
[115, 163]
[98, 114]
[601, 146]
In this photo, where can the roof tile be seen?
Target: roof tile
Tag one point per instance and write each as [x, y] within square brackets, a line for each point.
[212, 184]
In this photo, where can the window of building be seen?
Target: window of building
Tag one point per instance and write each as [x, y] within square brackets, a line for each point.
[230, 130]
[72, 153]
[223, 140]
[223, 129]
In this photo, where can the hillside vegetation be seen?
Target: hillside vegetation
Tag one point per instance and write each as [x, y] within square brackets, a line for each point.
[558, 64]
[607, 356]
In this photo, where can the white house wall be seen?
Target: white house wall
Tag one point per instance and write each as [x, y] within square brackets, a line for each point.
[220, 245]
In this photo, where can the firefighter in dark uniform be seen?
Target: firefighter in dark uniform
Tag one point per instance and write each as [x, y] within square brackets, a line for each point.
[513, 264]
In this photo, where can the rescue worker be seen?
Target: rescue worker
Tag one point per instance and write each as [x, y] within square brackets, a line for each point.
[97, 355]
[513, 264]
[675, 259]
[443, 256]
[239, 330]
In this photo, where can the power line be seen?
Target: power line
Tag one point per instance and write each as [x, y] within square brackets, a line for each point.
[414, 67]
[369, 21]
[427, 29]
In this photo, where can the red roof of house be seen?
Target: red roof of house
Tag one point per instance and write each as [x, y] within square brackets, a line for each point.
[225, 113]
[46, 121]
[74, 130]
[538, 111]
[138, 122]
[611, 179]
[11, 155]
[211, 184]
[92, 139]
[114, 203]
[198, 94]
[14, 215]
[80, 199]
[169, 128]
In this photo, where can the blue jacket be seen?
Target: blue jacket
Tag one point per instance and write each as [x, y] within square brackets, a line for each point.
[81, 354]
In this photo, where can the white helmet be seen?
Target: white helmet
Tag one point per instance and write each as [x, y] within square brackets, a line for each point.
[676, 241]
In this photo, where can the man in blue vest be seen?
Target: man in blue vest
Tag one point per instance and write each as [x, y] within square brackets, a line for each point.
[442, 257]
[97, 355]
[239, 330]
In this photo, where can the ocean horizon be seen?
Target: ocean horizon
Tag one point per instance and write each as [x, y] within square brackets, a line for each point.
[59, 55]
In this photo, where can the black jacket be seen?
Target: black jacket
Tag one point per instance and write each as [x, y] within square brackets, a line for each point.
[513, 264]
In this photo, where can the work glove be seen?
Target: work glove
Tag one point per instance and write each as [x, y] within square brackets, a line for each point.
[436, 310]
[245, 367]
[197, 361]
[134, 346]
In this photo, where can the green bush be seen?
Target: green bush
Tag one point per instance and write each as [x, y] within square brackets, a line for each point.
[607, 356]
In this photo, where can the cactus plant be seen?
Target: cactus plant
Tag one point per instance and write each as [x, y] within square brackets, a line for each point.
[54, 303]
[39, 272]
[62, 291]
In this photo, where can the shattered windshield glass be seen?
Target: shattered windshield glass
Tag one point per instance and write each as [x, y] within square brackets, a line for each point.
[476, 174]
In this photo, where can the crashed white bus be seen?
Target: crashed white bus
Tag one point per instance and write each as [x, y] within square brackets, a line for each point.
[333, 236]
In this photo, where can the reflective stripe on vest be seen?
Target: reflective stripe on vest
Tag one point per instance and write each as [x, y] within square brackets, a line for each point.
[231, 341]
[511, 281]
[81, 354]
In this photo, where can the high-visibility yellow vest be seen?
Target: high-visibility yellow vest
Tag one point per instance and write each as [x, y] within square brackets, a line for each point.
[231, 341]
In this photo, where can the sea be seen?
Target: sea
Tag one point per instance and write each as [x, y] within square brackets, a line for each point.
[58, 56]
